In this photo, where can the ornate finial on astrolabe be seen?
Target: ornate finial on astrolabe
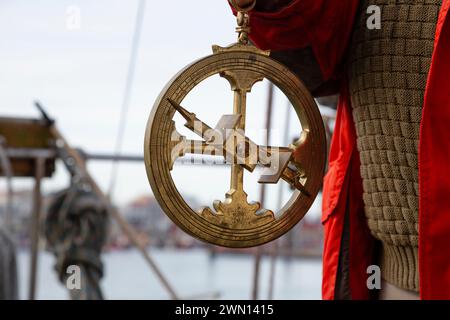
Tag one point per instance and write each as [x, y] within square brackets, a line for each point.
[243, 20]
[235, 221]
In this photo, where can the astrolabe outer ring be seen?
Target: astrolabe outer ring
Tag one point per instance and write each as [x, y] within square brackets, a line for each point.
[158, 135]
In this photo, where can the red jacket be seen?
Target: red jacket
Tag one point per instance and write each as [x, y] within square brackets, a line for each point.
[326, 26]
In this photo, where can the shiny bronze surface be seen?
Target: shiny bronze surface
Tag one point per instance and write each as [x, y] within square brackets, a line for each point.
[235, 221]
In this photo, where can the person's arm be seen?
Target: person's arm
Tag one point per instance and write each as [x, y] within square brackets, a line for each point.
[309, 36]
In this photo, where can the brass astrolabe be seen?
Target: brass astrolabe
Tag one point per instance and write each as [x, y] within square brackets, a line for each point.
[234, 221]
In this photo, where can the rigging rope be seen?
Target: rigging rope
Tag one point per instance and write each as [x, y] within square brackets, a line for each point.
[127, 94]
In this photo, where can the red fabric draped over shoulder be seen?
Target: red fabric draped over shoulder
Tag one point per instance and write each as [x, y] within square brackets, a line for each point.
[326, 25]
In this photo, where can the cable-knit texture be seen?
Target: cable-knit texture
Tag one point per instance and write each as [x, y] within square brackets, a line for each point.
[388, 74]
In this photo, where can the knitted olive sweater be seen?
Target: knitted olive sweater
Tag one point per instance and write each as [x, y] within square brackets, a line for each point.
[388, 72]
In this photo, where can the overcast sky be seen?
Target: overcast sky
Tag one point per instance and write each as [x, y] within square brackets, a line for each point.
[78, 72]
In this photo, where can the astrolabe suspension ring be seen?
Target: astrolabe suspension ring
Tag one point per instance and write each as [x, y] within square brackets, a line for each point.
[235, 221]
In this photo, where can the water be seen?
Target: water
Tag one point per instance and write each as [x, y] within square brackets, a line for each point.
[191, 272]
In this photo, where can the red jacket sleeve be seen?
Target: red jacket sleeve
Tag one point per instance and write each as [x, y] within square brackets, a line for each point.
[325, 25]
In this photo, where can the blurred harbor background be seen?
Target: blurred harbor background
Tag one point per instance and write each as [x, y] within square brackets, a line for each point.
[195, 269]
[193, 273]
[156, 230]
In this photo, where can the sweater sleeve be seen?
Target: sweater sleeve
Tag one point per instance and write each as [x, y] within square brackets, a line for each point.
[323, 25]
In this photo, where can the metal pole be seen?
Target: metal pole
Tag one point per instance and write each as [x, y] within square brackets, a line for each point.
[7, 172]
[276, 244]
[273, 260]
[35, 223]
[262, 196]
[27, 153]
[129, 231]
